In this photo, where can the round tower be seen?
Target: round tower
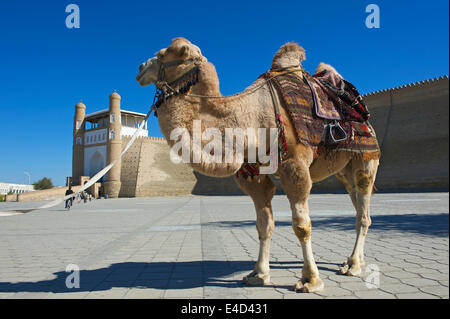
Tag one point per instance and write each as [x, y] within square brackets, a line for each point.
[114, 147]
[78, 148]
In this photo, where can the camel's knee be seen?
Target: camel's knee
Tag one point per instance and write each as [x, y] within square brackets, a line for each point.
[364, 181]
[366, 221]
[363, 223]
[302, 228]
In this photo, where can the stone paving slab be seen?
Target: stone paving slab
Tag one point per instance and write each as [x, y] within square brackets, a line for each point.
[201, 247]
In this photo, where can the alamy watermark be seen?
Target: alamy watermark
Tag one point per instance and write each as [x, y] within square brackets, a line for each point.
[73, 279]
[373, 19]
[73, 19]
[217, 149]
[372, 280]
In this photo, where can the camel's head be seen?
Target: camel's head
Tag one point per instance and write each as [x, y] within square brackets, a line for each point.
[290, 54]
[180, 52]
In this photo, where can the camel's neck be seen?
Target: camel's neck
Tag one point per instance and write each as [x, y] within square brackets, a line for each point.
[214, 112]
[203, 103]
[208, 84]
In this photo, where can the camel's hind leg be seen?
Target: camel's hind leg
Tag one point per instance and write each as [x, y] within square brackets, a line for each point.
[359, 177]
[261, 194]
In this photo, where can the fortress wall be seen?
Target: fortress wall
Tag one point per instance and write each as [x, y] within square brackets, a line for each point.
[45, 194]
[157, 175]
[413, 132]
[11, 198]
[129, 169]
[412, 128]
[207, 185]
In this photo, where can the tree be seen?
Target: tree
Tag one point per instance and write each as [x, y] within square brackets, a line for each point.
[44, 183]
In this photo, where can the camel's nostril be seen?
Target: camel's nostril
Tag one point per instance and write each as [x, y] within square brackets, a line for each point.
[141, 67]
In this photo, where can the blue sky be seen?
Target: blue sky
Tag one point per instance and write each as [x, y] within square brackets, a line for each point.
[47, 68]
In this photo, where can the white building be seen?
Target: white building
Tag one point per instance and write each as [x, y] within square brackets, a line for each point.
[5, 188]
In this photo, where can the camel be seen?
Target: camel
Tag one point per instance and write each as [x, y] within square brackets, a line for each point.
[254, 108]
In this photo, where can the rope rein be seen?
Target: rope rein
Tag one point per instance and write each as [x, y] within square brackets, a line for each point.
[266, 80]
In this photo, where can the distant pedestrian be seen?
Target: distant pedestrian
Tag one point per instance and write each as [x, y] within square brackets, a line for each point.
[69, 201]
[84, 196]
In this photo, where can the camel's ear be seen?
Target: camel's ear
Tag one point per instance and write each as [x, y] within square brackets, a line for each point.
[184, 51]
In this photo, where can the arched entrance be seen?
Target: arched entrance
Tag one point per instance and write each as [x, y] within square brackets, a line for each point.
[96, 163]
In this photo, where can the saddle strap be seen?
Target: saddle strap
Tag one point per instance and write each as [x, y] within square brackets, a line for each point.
[282, 145]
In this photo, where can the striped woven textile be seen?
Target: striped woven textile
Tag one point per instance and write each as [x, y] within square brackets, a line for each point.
[297, 98]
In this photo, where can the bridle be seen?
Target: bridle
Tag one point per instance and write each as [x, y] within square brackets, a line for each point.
[181, 85]
[164, 66]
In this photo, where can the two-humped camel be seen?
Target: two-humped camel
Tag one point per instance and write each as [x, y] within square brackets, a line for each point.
[254, 108]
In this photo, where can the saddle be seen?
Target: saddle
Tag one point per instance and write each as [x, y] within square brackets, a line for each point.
[341, 103]
[327, 111]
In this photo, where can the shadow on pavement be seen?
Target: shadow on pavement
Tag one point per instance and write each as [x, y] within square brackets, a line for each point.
[157, 275]
[429, 224]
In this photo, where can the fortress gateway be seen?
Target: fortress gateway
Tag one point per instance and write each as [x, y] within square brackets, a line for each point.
[411, 123]
[144, 170]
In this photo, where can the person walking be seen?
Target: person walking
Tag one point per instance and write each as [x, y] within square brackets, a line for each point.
[69, 201]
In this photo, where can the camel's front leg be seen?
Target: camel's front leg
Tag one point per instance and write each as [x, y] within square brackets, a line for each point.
[261, 194]
[297, 184]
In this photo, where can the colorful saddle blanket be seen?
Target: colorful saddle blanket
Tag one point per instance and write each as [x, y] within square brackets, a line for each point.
[312, 109]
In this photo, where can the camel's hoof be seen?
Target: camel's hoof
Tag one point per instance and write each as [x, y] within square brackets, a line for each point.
[255, 279]
[313, 285]
[348, 270]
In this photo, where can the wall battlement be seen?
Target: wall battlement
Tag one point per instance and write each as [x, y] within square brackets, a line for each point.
[160, 139]
[420, 84]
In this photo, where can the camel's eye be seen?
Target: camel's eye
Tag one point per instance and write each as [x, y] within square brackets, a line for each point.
[161, 53]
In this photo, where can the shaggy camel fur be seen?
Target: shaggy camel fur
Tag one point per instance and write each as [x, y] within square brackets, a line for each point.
[254, 108]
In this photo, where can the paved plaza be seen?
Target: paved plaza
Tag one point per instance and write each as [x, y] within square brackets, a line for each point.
[202, 246]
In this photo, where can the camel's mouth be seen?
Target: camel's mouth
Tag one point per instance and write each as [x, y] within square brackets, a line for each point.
[139, 78]
[147, 72]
